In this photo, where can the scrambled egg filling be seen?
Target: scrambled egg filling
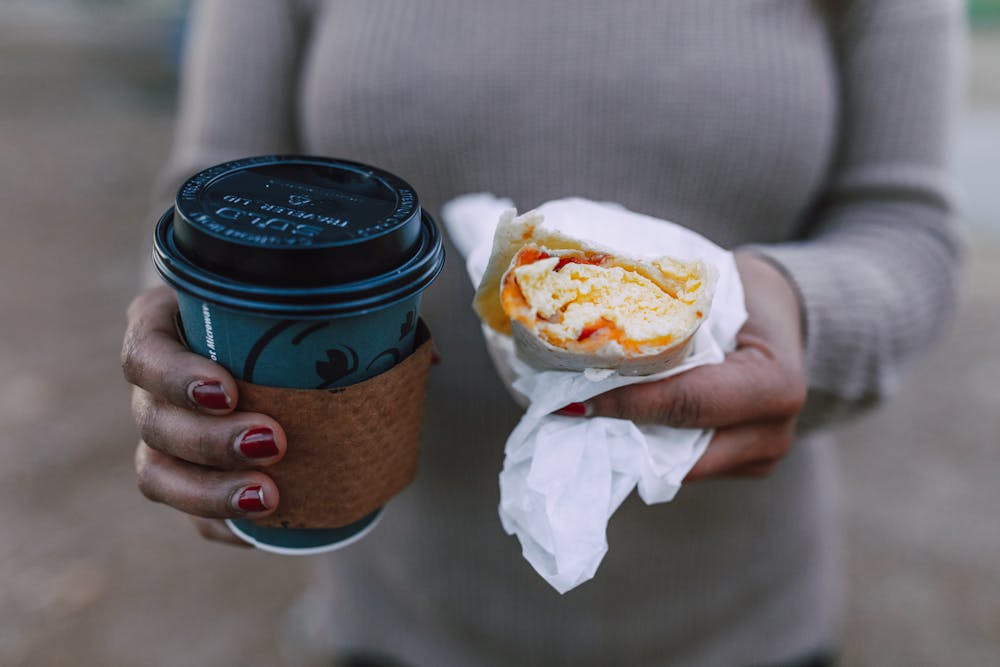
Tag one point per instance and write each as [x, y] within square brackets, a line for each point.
[575, 302]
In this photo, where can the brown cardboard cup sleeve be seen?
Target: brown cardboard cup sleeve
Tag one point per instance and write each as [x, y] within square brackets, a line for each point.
[349, 450]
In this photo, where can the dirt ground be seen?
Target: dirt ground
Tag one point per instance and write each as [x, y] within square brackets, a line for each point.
[92, 574]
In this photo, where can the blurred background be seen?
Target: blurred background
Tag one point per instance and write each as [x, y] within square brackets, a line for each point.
[92, 574]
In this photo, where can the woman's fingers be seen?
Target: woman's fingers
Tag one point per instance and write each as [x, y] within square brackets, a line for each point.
[234, 441]
[154, 359]
[764, 379]
[217, 531]
[202, 491]
[747, 386]
[196, 453]
[750, 450]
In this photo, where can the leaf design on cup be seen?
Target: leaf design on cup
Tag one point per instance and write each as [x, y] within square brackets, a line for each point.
[339, 363]
[385, 360]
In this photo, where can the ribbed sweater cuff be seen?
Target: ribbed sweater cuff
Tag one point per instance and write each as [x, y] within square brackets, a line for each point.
[839, 299]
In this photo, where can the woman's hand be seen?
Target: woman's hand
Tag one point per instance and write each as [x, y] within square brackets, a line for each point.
[751, 399]
[196, 454]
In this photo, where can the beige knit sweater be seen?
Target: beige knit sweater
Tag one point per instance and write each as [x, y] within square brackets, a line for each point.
[816, 129]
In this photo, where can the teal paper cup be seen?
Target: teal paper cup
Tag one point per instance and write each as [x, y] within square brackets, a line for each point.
[299, 272]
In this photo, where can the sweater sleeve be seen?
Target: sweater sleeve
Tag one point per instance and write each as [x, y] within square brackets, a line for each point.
[876, 266]
[238, 91]
[238, 88]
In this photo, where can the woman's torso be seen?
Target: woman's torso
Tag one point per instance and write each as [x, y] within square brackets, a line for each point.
[721, 116]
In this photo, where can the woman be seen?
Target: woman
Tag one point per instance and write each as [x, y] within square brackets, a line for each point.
[810, 135]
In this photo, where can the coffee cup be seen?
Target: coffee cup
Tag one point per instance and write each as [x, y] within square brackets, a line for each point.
[304, 273]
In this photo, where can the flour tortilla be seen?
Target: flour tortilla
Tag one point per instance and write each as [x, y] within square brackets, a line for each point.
[513, 232]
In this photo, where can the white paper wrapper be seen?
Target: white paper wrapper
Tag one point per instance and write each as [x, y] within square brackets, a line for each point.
[563, 477]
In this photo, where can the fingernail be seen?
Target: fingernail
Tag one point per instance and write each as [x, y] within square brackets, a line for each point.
[251, 499]
[258, 443]
[210, 395]
[575, 410]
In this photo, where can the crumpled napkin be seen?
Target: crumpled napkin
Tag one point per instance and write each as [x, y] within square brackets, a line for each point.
[563, 477]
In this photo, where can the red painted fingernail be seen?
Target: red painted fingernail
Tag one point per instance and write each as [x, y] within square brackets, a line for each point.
[258, 443]
[251, 499]
[575, 410]
[210, 395]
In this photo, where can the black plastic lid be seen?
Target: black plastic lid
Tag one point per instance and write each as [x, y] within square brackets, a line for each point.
[339, 299]
[366, 245]
[286, 220]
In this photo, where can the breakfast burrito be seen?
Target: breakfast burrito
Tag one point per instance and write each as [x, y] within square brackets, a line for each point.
[571, 305]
